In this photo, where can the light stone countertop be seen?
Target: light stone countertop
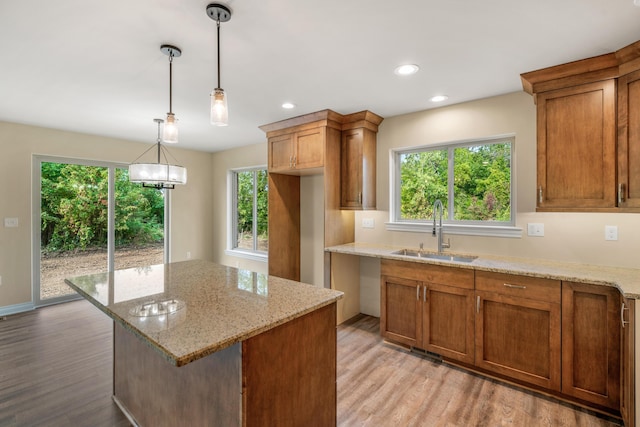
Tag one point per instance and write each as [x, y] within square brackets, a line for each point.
[626, 280]
[208, 307]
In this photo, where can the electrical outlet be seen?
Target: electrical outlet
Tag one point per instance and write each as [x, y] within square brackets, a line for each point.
[188, 255]
[535, 229]
[368, 223]
[610, 232]
[11, 222]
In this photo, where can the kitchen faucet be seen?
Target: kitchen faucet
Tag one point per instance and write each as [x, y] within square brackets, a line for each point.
[437, 231]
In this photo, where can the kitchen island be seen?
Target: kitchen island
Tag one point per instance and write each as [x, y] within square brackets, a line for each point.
[197, 343]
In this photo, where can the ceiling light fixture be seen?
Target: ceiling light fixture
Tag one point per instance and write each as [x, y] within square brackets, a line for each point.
[288, 105]
[406, 70]
[219, 111]
[439, 98]
[170, 133]
[157, 175]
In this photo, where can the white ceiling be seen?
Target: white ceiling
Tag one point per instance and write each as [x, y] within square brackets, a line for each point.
[96, 67]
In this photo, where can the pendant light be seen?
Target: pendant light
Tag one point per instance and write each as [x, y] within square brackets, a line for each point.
[157, 175]
[170, 133]
[219, 111]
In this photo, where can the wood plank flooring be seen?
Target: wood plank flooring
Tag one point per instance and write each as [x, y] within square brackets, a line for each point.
[56, 368]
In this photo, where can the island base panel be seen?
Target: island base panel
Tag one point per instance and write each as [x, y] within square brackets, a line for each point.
[289, 373]
[156, 393]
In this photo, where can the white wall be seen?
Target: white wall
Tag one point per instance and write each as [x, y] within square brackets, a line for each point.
[191, 227]
[570, 237]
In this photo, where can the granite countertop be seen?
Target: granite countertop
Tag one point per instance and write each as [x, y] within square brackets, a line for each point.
[627, 280]
[189, 310]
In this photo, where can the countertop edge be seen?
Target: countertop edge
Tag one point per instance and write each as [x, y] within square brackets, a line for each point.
[186, 359]
[574, 272]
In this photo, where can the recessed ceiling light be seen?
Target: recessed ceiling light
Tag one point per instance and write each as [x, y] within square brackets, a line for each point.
[406, 70]
[288, 105]
[439, 98]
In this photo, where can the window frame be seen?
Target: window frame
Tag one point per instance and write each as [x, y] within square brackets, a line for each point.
[474, 228]
[232, 215]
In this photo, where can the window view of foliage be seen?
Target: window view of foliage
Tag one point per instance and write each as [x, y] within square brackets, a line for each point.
[252, 191]
[481, 182]
[74, 201]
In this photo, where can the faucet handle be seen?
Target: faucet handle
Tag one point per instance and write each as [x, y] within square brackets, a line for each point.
[447, 244]
[421, 246]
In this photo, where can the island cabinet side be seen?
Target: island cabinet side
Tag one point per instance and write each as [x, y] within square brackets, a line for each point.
[289, 373]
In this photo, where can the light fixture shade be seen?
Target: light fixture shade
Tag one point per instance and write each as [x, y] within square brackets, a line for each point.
[219, 110]
[170, 131]
[157, 174]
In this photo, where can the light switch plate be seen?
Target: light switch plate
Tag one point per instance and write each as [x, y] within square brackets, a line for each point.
[11, 222]
[535, 229]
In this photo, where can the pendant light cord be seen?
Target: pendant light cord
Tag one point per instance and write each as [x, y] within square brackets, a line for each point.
[218, 24]
[170, 82]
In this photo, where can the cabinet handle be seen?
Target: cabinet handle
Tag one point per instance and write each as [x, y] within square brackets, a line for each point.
[290, 162]
[540, 198]
[622, 309]
[418, 292]
[478, 304]
[424, 294]
[360, 197]
[620, 193]
[509, 285]
[295, 160]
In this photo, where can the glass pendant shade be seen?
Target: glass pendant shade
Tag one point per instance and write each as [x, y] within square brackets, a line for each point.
[219, 110]
[157, 175]
[170, 131]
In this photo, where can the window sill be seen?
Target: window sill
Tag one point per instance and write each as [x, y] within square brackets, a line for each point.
[465, 230]
[254, 256]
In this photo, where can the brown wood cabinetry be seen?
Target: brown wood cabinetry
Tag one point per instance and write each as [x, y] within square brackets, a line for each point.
[585, 161]
[518, 327]
[297, 152]
[358, 169]
[576, 130]
[629, 140]
[627, 362]
[428, 307]
[591, 343]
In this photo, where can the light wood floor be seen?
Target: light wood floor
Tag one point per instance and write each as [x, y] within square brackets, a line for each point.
[56, 364]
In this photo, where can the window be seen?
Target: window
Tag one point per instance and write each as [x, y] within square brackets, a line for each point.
[473, 179]
[249, 208]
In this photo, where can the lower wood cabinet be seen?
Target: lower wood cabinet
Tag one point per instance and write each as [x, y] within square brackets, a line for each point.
[574, 340]
[591, 343]
[429, 307]
[518, 327]
[628, 368]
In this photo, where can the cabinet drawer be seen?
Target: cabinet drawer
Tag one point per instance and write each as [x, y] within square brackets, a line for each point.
[519, 286]
[450, 276]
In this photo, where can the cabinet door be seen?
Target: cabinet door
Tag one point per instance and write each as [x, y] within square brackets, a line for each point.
[448, 322]
[309, 148]
[280, 153]
[591, 343]
[401, 305]
[576, 132]
[627, 379]
[519, 338]
[629, 140]
[358, 169]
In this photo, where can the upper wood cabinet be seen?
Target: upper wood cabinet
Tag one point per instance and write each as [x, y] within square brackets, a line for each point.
[577, 146]
[358, 162]
[297, 151]
[588, 132]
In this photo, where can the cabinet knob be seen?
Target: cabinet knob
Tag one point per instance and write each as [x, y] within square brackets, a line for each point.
[620, 194]
[540, 198]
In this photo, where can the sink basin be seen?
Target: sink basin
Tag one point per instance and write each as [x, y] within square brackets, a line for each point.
[431, 255]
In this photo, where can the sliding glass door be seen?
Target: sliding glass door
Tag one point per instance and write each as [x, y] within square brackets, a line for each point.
[88, 218]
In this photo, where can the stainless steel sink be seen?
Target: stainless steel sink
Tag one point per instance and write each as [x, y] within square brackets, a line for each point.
[431, 255]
